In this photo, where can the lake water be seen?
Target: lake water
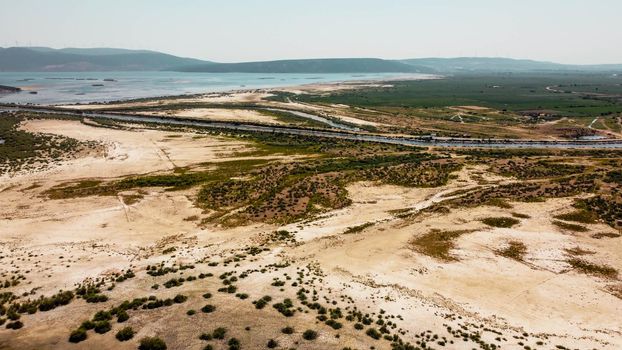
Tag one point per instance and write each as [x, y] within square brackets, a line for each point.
[74, 87]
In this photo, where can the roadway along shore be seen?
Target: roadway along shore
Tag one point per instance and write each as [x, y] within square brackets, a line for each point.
[425, 141]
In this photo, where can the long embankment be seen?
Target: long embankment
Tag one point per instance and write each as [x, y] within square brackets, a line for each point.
[424, 141]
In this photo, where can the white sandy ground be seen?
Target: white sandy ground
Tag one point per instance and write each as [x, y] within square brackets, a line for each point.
[470, 108]
[227, 97]
[236, 115]
[336, 111]
[62, 242]
[132, 152]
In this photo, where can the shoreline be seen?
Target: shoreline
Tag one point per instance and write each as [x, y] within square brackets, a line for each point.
[299, 87]
[215, 88]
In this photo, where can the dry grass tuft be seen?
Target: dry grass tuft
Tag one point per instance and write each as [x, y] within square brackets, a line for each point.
[437, 243]
[515, 250]
[593, 269]
[570, 227]
[502, 222]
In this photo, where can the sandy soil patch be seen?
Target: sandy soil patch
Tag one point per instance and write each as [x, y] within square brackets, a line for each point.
[242, 96]
[59, 243]
[132, 151]
[236, 115]
[470, 108]
[540, 294]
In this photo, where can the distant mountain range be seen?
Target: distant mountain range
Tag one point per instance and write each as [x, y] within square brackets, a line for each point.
[497, 64]
[22, 59]
[329, 65]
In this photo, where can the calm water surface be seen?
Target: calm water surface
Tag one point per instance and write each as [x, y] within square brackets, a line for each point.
[76, 87]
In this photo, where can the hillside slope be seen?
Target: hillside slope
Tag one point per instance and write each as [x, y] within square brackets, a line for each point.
[500, 64]
[17, 59]
[332, 65]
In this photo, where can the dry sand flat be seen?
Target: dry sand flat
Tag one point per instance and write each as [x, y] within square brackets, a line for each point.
[63, 242]
[136, 151]
[47, 226]
[540, 295]
[502, 291]
[242, 96]
[237, 115]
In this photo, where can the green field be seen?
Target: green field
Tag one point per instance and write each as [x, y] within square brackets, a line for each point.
[594, 94]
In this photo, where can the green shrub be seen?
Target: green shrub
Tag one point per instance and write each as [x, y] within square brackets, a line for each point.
[334, 324]
[125, 334]
[570, 227]
[180, 298]
[77, 335]
[582, 216]
[102, 316]
[152, 343]
[309, 334]
[372, 332]
[287, 330]
[102, 327]
[95, 298]
[206, 336]
[502, 222]
[219, 333]
[272, 344]
[122, 316]
[229, 289]
[208, 308]
[61, 298]
[88, 324]
[234, 344]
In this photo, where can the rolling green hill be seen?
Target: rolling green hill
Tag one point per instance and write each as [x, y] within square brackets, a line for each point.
[332, 65]
[16, 59]
[499, 64]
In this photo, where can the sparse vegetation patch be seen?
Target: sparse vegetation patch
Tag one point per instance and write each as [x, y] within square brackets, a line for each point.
[437, 243]
[502, 222]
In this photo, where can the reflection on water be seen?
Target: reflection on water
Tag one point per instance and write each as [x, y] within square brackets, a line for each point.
[80, 87]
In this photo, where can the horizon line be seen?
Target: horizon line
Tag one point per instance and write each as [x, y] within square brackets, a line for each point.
[315, 58]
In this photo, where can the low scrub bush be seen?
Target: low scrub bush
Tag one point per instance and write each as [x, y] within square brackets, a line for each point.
[152, 343]
[125, 334]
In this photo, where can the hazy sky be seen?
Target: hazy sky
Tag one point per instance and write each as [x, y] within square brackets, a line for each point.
[566, 31]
